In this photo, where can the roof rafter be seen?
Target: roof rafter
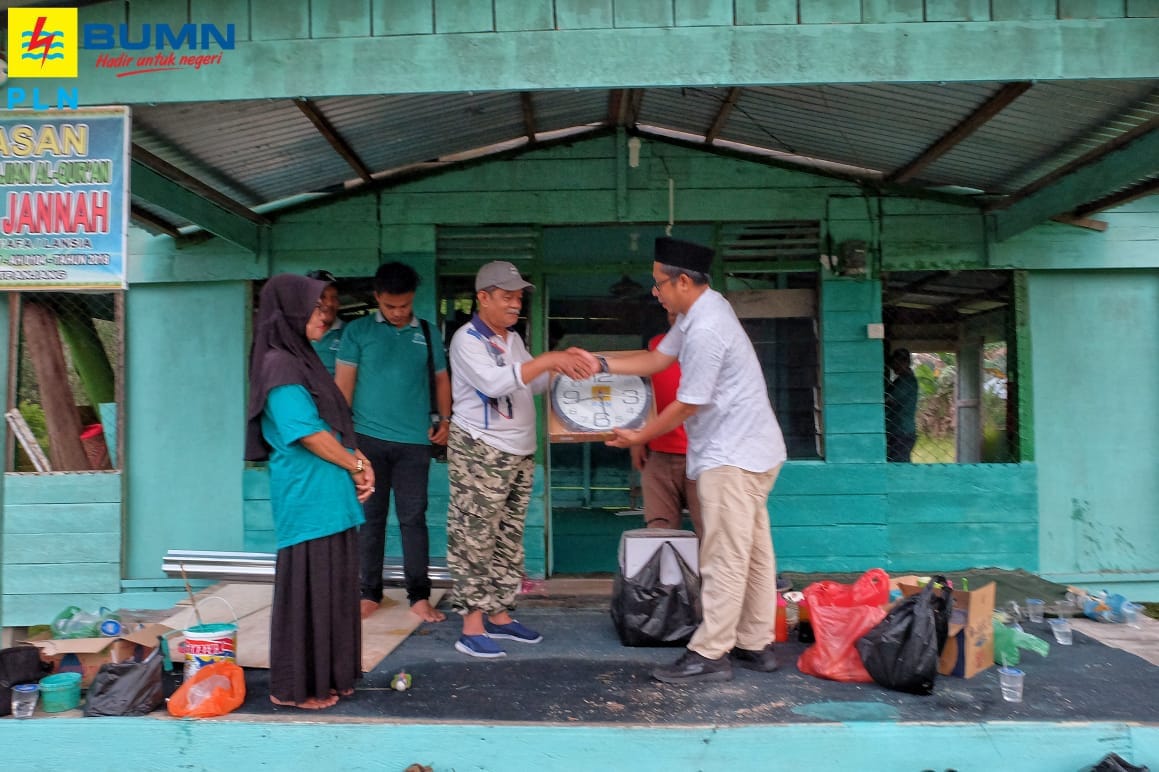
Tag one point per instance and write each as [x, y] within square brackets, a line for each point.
[151, 185]
[528, 106]
[1115, 170]
[310, 109]
[1086, 158]
[189, 182]
[722, 115]
[624, 106]
[152, 222]
[976, 120]
[1148, 188]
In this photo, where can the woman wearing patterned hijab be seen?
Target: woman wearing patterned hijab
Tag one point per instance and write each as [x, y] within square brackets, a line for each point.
[299, 421]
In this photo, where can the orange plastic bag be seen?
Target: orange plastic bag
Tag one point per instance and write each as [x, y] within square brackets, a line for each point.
[840, 614]
[213, 690]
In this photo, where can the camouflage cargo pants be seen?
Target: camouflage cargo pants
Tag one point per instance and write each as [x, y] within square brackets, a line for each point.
[490, 493]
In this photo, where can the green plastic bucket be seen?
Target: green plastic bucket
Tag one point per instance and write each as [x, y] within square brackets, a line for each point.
[59, 692]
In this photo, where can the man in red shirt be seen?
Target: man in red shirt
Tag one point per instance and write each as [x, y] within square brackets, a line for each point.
[661, 463]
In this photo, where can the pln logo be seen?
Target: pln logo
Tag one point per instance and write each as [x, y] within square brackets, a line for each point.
[42, 42]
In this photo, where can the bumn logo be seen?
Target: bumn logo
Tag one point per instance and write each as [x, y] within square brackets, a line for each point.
[42, 42]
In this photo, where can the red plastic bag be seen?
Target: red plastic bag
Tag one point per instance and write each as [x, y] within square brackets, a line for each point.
[213, 690]
[840, 615]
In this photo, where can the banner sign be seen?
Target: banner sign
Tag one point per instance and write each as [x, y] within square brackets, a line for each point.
[64, 199]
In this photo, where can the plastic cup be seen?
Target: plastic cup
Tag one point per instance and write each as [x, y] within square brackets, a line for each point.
[24, 697]
[1010, 679]
[1062, 632]
[1035, 608]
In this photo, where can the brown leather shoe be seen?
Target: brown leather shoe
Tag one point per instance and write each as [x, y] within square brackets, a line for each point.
[763, 661]
[694, 668]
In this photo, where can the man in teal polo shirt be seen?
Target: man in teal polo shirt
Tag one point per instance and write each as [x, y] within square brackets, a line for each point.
[382, 369]
[327, 346]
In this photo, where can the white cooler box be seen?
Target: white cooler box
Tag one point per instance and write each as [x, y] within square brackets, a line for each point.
[638, 546]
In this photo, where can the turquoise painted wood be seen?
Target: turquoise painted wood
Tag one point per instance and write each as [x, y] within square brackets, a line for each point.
[185, 387]
[1096, 341]
[892, 11]
[155, 743]
[511, 15]
[454, 16]
[60, 541]
[829, 45]
[402, 17]
[958, 10]
[831, 12]
[583, 14]
[699, 13]
[189, 307]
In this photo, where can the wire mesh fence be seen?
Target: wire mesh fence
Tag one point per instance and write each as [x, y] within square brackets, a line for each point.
[66, 381]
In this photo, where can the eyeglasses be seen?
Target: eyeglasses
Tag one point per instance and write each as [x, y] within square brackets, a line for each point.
[658, 284]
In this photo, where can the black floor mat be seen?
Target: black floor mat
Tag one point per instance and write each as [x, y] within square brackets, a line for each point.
[580, 672]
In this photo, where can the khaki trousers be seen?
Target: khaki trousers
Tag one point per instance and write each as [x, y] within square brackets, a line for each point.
[738, 569]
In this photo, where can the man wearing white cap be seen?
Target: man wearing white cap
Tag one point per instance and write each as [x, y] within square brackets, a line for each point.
[735, 450]
[491, 459]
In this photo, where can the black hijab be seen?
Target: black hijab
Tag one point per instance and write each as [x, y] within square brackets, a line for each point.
[282, 355]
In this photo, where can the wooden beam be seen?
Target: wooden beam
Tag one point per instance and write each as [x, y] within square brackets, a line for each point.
[722, 115]
[1089, 157]
[528, 106]
[663, 56]
[630, 108]
[615, 106]
[184, 179]
[976, 120]
[1114, 171]
[152, 186]
[331, 135]
[915, 285]
[1080, 222]
[1133, 193]
[152, 222]
[56, 398]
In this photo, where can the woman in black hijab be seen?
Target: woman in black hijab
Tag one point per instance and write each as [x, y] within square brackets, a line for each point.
[300, 422]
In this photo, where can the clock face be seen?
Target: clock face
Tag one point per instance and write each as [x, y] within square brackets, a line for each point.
[601, 403]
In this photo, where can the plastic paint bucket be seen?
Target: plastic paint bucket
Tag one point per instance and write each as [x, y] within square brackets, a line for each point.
[209, 643]
[59, 692]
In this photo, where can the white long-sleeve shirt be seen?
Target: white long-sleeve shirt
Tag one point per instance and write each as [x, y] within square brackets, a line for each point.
[491, 401]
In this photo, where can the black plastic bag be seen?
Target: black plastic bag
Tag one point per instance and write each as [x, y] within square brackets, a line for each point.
[130, 688]
[647, 612]
[902, 651]
[18, 665]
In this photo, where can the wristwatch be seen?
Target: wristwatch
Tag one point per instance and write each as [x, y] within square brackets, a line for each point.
[603, 363]
[358, 466]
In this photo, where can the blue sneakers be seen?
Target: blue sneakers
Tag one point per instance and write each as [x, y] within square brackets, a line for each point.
[512, 631]
[479, 646]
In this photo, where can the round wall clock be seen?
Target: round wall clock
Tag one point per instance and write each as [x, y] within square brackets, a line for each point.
[601, 403]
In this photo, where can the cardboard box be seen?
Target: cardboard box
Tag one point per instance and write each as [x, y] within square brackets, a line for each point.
[970, 643]
[638, 546]
[591, 393]
[86, 655]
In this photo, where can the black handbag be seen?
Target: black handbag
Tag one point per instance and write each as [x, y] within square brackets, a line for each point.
[647, 612]
[902, 651]
[18, 665]
[131, 688]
